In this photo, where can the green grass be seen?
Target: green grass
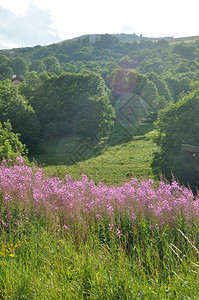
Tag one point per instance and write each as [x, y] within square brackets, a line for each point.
[111, 162]
[39, 260]
[52, 264]
[116, 164]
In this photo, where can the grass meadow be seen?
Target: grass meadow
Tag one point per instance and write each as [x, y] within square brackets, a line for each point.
[101, 228]
[125, 155]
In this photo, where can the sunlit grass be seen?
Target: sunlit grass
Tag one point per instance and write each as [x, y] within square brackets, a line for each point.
[115, 164]
[53, 264]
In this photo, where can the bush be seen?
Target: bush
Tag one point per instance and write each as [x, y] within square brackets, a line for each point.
[15, 107]
[10, 145]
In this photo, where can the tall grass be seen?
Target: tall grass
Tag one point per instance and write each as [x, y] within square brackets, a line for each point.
[65, 239]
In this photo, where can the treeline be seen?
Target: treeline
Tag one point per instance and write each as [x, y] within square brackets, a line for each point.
[179, 124]
[45, 108]
[175, 65]
[82, 87]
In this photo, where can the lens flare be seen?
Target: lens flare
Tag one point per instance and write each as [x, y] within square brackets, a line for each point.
[123, 81]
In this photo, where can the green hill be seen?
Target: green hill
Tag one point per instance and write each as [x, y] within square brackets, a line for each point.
[122, 37]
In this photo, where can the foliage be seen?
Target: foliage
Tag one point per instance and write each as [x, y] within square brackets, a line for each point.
[74, 239]
[37, 66]
[52, 65]
[161, 86]
[186, 51]
[135, 97]
[70, 103]
[94, 116]
[123, 81]
[64, 238]
[15, 107]
[10, 145]
[5, 71]
[90, 54]
[106, 41]
[177, 125]
[160, 71]
[19, 66]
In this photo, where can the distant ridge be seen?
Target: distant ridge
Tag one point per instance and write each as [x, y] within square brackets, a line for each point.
[187, 40]
[122, 37]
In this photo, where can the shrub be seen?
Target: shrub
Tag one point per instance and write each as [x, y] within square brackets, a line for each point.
[10, 145]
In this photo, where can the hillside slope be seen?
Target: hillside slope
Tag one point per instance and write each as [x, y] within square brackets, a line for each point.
[112, 165]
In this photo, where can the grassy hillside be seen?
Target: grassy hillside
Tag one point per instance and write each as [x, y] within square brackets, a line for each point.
[187, 40]
[101, 162]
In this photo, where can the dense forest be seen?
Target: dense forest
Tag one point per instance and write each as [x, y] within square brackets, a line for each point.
[85, 87]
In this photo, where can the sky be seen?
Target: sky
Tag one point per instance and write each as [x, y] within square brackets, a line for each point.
[43, 22]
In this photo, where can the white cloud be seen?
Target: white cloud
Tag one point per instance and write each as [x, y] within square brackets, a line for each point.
[29, 30]
[18, 8]
[152, 18]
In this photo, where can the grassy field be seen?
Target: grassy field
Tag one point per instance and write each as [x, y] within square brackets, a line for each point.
[50, 265]
[112, 161]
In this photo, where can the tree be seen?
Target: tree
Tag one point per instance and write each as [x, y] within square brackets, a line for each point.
[5, 71]
[50, 61]
[163, 43]
[94, 117]
[86, 41]
[10, 145]
[38, 66]
[52, 65]
[161, 85]
[184, 84]
[69, 103]
[128, 63]
[174, 86]
[146, 44]
[126, 81]
[185, 51]
[182, 67]
[3, 59]
[15, 107]
[178, 124]
[123, 81]
[106, 41]
[19, 66]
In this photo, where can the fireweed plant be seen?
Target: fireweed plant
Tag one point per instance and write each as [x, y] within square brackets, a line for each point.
[66, 239]
[83, 204]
